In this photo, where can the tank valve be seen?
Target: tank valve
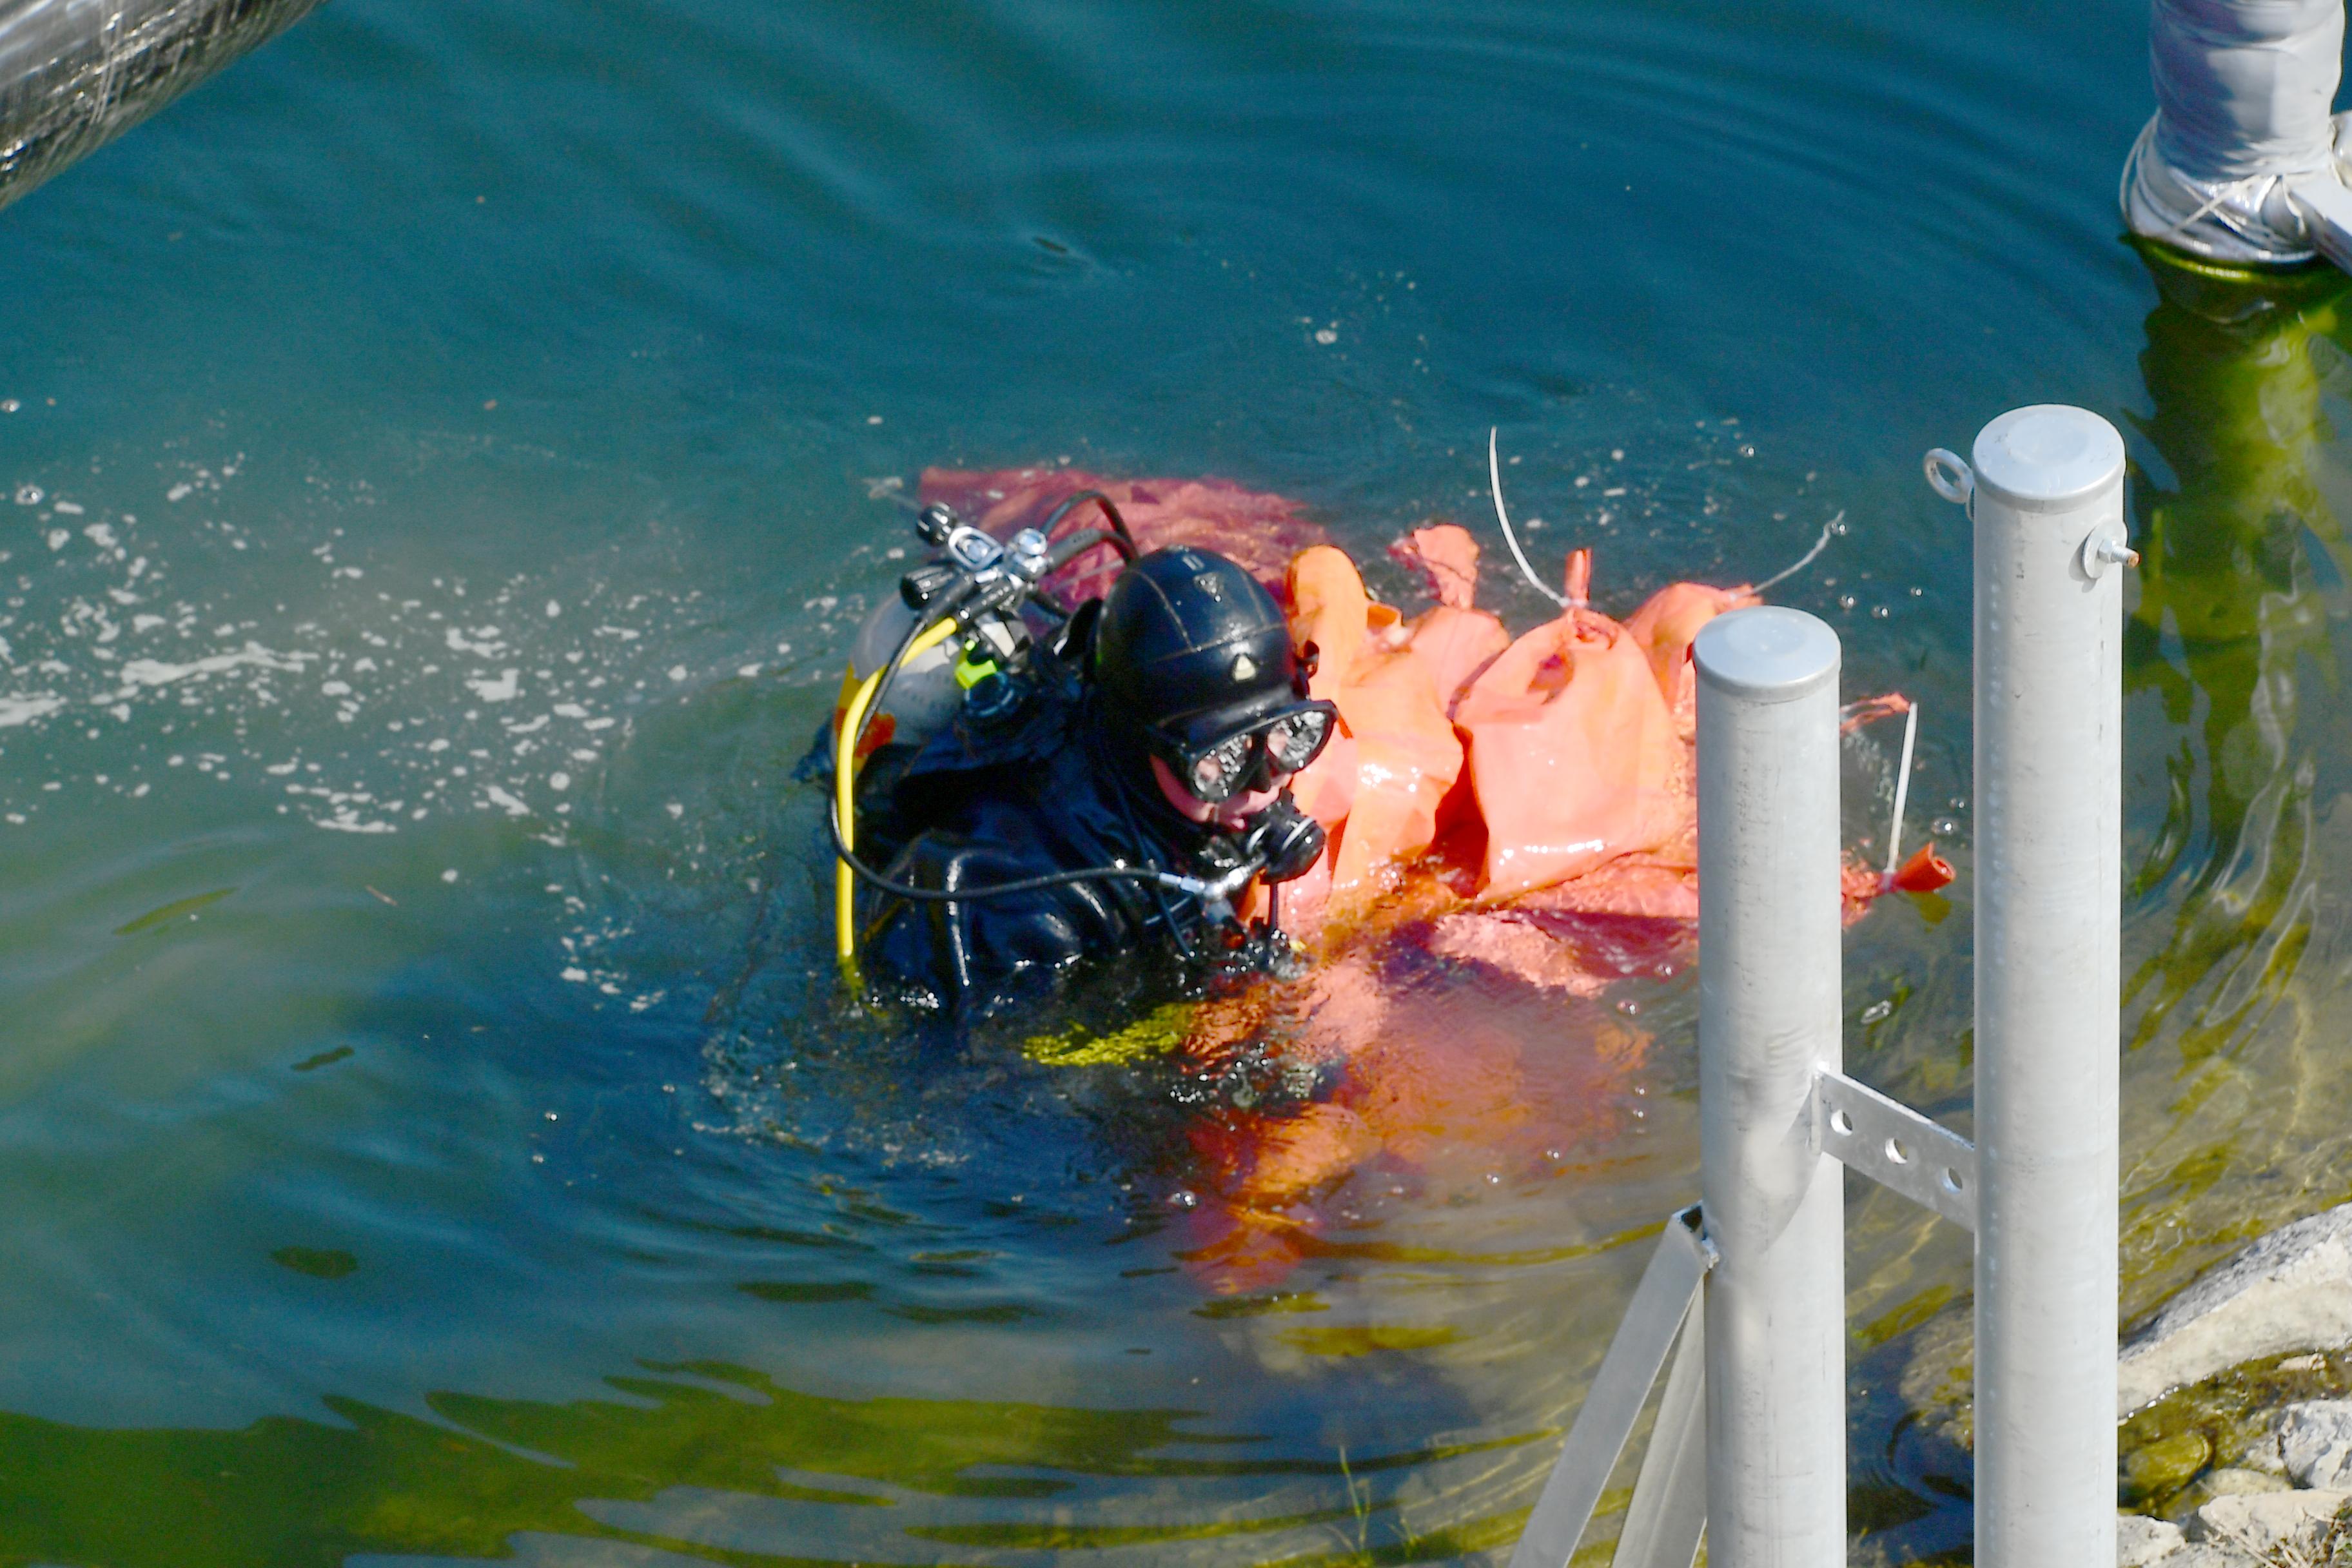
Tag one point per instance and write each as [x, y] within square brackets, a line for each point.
[1030, 553]
[935, 522]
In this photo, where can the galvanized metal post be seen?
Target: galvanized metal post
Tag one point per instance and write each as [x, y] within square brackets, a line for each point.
[1768, 1016]
[2050, 540]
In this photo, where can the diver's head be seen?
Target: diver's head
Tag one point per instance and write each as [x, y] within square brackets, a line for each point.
[1197, 688]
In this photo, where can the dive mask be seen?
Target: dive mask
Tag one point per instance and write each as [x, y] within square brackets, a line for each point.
[1284, 742]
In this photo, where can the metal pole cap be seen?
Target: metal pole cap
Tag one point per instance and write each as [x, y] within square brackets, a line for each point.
[1767, 653]
[2049, 457]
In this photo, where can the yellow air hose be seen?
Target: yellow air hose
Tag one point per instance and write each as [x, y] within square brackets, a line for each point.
[845, 785]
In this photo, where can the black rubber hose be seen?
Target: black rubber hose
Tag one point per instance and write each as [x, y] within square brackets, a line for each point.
[1126, 541]
[924, 619]
[940, 895]
[1075, 546]
[873, 879]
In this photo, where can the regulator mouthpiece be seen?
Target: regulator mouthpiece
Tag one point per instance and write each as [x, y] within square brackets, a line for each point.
[1283, 840]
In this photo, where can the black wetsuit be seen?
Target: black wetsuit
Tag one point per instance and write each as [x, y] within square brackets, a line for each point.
[984, 804]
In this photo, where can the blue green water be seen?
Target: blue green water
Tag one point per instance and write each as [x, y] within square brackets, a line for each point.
[445, 459]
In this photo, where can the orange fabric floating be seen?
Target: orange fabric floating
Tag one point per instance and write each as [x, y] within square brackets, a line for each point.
[1924, 872]
[1447, 556]
[1514, 821]
[1666, 624]
[1402, 754]
[1573, 754]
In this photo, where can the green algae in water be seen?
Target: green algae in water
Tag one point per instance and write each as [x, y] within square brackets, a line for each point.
[297, 1492]
[2223, 1422]
[177, 909]
[318, 1262]
[1371, 1338]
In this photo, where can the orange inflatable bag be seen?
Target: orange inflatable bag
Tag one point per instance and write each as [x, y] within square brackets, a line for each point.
[1455, 641]
[1665, 626]
[1572, 754]
[1378, 787]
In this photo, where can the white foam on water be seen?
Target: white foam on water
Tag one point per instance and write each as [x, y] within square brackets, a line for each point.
[361, 695]
[15, 711]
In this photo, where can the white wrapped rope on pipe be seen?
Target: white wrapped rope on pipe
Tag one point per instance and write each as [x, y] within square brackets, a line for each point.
[2240, 162]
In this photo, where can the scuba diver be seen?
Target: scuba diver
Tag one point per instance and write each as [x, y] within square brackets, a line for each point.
[1107, 782]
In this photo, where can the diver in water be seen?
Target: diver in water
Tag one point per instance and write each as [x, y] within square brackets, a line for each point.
[1118, 797]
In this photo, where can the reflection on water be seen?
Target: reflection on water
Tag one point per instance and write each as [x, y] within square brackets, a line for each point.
[2237, 637]
[2238, 834]
[2242, 573]
[707, 1461]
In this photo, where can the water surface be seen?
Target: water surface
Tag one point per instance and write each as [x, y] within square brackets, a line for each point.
[448, 458]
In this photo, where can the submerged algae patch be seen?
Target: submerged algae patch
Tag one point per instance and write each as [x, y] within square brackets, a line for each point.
[2225, 1421]
[155, 918]
[1365, 1338]
[318, 1262]
[1157, 1034]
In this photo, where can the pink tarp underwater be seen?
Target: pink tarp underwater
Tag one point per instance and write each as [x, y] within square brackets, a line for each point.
[1525, 806]
[1261, 531]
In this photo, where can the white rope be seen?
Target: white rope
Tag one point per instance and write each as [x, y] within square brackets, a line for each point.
[1495, 479]
[2235, 206]
[1808, 558]
[1494, 483]
[1902, 794]
[2241, 186]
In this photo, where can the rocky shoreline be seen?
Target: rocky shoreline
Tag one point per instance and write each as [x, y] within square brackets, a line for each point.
[2236, 1405]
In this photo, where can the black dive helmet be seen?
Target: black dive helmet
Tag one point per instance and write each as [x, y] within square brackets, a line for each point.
[1193, 663]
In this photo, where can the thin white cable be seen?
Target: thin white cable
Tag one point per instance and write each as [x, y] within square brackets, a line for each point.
[1902, 794]
[1495, 479]
[1495, 485]
[1807, 559]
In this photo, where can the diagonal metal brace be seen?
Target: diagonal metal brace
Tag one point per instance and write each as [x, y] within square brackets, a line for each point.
[1668, 1514]
[1895, 1146]
[1660, 1303]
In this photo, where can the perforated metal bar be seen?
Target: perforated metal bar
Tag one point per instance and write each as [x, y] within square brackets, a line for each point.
[1895, 1146]
[1627, 1374]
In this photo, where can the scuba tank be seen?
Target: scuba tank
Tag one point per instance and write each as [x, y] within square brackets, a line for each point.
[932, 687]
[971, 670]
[924, 697]
[957, 628]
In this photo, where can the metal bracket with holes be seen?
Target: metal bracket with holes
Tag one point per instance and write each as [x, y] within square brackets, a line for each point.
[1895, 1146]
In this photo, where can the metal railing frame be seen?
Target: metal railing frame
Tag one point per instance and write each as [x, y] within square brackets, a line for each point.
[1748, 1446]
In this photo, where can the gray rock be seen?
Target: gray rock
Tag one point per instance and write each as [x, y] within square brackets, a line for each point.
[2213, 1554]
[2316, 1441]
[2261, 1453]
[2291, 1290]
[2268, 1524]
[2140, 1540]
[2233, 1480]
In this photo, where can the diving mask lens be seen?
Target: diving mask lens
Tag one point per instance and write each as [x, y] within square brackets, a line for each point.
[1243, 761]
[1296, 740]
[1216, 772]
